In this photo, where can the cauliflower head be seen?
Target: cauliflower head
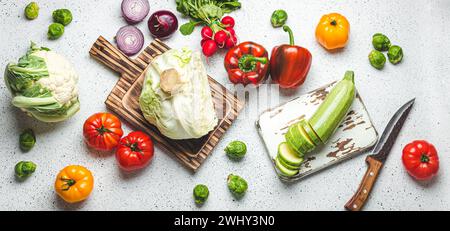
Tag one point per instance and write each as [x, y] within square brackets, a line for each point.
[44, 85]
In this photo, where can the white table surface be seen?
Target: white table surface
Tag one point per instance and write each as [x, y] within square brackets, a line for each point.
[419, 26]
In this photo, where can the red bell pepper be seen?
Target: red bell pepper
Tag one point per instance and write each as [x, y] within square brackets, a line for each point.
[420, 160]
[247, 63]
[289, 64]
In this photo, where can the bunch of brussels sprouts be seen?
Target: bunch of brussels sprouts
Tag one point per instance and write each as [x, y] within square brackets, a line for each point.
[382, 43]
[237, 185]
[61, 18]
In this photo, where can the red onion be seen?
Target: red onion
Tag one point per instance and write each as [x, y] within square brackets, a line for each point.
[135, 11]
[130, 40]
[162, 24]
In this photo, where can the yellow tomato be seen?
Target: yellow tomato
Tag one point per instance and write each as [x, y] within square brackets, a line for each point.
[333, 31]
[74, 183]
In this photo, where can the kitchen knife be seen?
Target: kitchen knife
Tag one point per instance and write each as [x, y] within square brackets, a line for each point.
[378, 157]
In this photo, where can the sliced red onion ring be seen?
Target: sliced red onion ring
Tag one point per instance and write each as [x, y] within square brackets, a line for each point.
[135, 11]
[130, 40]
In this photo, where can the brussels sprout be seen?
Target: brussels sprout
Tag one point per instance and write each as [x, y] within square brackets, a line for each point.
[201, 194]
[24, 169]
[32, 11]
[27, 139]
[377, 59]
[279, 18]
[62, 16]
[55, 31]
[236, 149]
[381, 42]
[237, 185]
[395, 54]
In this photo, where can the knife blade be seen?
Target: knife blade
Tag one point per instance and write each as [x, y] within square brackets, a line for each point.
[378, 157]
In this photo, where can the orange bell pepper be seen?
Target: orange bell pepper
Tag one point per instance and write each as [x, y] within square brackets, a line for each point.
[333, 31]
[74, 183]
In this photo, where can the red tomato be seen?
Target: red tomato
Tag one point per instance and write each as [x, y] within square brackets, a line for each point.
[102, 131]
[420, 159]
[135, 151]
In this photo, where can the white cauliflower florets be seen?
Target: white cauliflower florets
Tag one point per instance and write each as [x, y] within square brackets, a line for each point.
[62, 80]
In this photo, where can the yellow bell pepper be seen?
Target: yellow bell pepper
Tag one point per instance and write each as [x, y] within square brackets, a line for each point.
[74, 183]
[333, 31]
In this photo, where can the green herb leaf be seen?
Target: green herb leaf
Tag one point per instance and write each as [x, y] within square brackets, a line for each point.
[188, 28]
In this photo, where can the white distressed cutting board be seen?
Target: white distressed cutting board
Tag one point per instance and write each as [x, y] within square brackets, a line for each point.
[355, 135]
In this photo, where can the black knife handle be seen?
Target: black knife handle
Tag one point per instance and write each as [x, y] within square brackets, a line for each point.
[359, 199]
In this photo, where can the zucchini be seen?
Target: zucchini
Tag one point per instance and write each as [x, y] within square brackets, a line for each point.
[304, 137]
[298, 138]
[332, 111]
[285, 171]
[292, 139]
[311, 133]
[286, 165]
[289, 156]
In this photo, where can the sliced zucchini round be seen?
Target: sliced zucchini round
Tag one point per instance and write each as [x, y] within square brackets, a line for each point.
[311, 133]
[305, 141]
[283, 170]
[289, 156]
[292, 137]
[286, 165]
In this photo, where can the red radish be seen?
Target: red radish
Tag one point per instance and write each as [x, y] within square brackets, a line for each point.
[203, 41]
[231, 42]
[231, 31]
[207, 32]
[220, 37]
[209, 48]
[228, 21]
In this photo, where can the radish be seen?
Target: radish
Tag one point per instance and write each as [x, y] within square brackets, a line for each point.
[203, 41]
[207, 32]
[209, 48]
[231, 42]
[220, 37]
[231, 31]
[228, 21]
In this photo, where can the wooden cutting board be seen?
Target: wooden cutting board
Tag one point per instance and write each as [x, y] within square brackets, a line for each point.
[123, 100]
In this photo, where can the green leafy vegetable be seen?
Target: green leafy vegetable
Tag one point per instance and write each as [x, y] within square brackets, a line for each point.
[32, 11]
[62, 16]
[55, 31]
[201, 193]
[236, 149]
[176, 96]
[237, 185]
[44, 85]
[279, 18]
[188, 28]
[24, 169]
[377, 59]
[204, 11]
[395, 54]
[381, 42]
[27, 140]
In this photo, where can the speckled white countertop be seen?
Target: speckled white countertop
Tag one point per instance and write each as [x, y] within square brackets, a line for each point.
[420, 27]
